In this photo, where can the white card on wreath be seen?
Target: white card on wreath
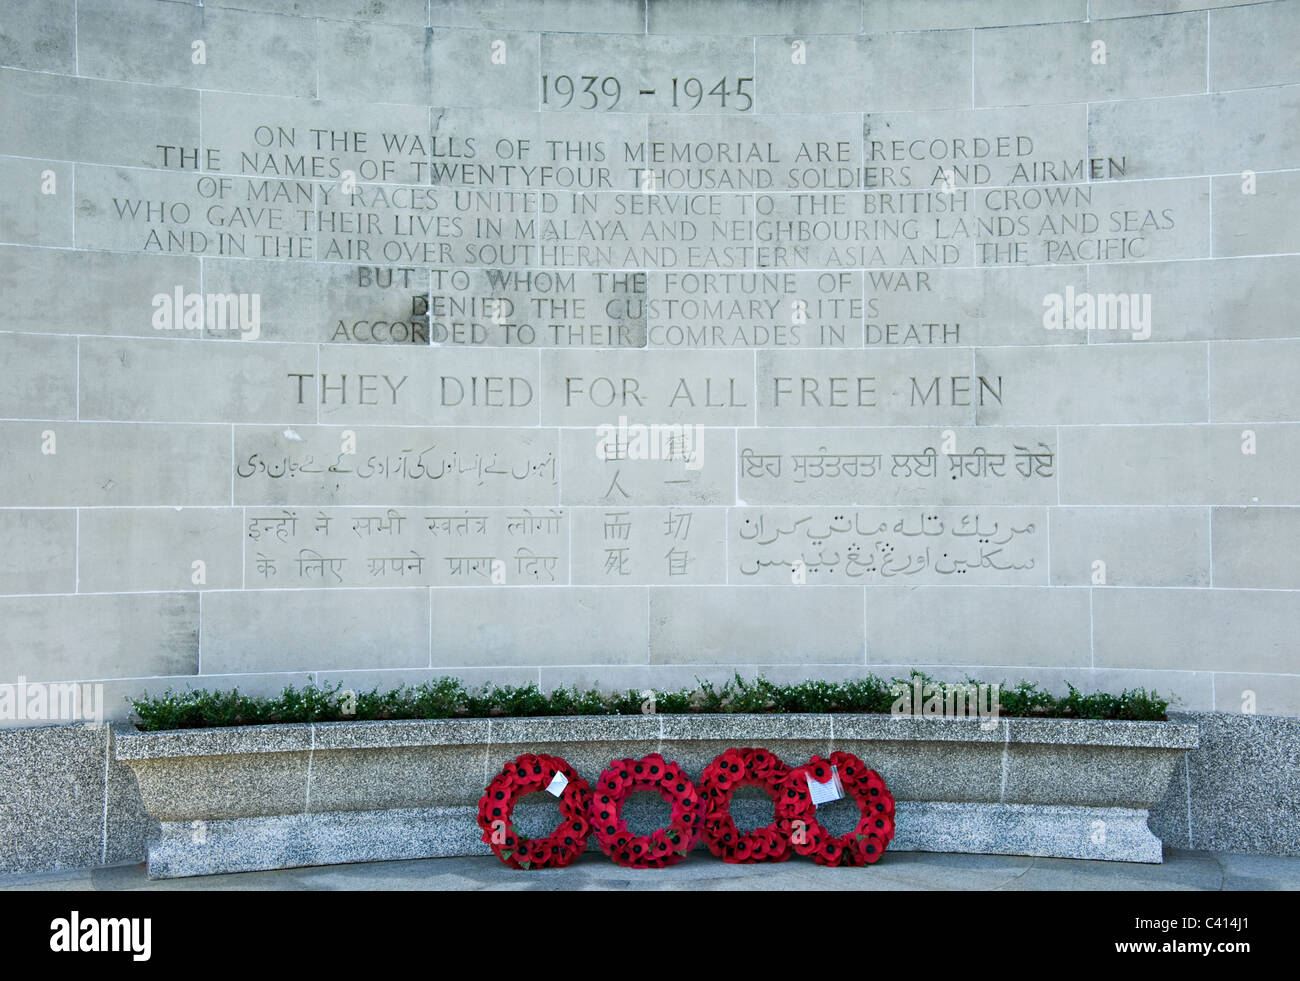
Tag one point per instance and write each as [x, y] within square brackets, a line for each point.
[824, 793]
[558, 782]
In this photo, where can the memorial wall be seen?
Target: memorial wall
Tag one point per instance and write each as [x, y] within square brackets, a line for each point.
[623, 344]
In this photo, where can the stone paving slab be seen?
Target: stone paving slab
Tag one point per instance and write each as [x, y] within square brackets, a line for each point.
[897, 872]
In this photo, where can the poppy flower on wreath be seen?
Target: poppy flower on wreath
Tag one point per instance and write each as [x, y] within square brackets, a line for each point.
[797, 814]
[685, 797]
[878, 825]
[793, 795]
[819, 769]
[663, 847]
[778, 846]
[729, 771]
[524, 775]
[869, 849]
[621, 840]
[831, 852]
[521, 771]
[578, 826]
[814, 837]
[611, 783]
[875, 786]
[850, 767]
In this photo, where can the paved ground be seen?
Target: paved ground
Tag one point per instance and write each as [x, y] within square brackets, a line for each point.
[903, 871]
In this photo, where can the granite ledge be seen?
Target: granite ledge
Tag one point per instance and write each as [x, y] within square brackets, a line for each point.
[1105, 732]
[133, 744]
[388, 734]
[130, 743]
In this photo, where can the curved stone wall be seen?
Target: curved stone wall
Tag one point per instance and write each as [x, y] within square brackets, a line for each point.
[626, 343]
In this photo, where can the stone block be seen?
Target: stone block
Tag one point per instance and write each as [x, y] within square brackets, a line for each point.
[929, 15]
[1177, 465]
[158, 549]
[99, 292]
[672, 475]
[1262, 222]
[39, 546]
[167, 380]
[348, 51]
[865, 73]
[1141, 58]
[1137, 546]
[481, 466]
[884, 546]
[524, 625]
[503, 65]
[1255, 385]
[732, 17]
[1014, 466]
[1249, 550]
[1199, 629]
[62, 117]
[88, 464]
[649, 546]
[141, 41]
[585, 16]
[991, 625]
[755, 625]
[42, 377]
[53, 800]
[40, 36]
[1225, 299]
[1188, 135]
[76, 638]
[1250, 46]
[38, 202]
[299, 629]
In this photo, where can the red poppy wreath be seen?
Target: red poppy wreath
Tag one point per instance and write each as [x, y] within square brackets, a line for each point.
[797, 814]
[663, 847]
[742, 768]
[525, 775]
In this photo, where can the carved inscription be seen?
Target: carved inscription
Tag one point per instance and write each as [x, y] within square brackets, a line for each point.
[734, 316]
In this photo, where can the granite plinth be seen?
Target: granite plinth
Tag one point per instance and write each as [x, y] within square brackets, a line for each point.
[285, 796]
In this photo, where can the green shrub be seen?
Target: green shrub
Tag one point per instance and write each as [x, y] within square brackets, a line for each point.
[447, 698]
